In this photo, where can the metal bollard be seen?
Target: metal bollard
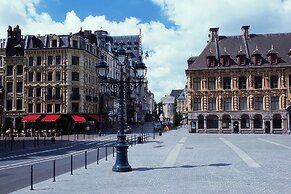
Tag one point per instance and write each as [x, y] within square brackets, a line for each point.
[54, 171]
[5, 142]
[97, 160]
[31, 177]
[23, 144]
[44, 141]
[85, 159]
[71, 164]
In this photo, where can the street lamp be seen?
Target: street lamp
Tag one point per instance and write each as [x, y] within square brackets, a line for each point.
[121, 145]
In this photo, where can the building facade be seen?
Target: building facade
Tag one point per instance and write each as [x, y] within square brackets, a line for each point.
[240, 84]
[57, 75]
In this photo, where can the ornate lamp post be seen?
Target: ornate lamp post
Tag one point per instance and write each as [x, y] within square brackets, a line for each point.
[121, 145]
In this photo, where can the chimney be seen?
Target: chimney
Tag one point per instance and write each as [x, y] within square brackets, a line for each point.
[245, 30]
[213, 34]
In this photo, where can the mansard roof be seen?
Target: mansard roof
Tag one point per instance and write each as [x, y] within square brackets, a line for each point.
[132, 43]
[264, 44]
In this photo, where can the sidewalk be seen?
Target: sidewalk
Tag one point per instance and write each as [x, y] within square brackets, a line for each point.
[176, 162]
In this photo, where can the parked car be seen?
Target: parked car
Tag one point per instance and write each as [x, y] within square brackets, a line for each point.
[127, 129]
[157, 126]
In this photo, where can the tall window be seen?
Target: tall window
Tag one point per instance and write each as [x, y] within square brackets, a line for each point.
[9, 87]
[50, 76]
[30, 92]
[75, 76]
[30, 108]
[30, 61]
[75, 60]
[9, 104]
[258, 82]
[75, 107]
[226, 83]
[227, 103]
[258, 103]
[211, 83]
[197, 104]
[49, 108]
[30, 76]
[58, 76]
[58, 93]
[242, 82]
[50, 60]
[19, 104]
[38, 76]
[243, 103]
[58, 60]
[38, 60]
[197, 84]
[275, 102]
[19, 87]
[9, 70]
[38, 107]
[38, 92]
[274, 81]
[19, 70]
[211, 104]
[57, 108]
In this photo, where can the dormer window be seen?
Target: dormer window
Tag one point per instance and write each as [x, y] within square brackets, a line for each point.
[273, 59]
[273, 56]
[54, 43]
[225, 58]
[241, 59]
[211, 61]
[257, 56]
[257, 59]
[75, 44]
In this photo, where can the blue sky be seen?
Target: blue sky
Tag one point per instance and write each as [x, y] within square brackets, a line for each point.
[114, 10]
[172, 30]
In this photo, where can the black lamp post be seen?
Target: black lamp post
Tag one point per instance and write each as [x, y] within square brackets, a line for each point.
[121, 145]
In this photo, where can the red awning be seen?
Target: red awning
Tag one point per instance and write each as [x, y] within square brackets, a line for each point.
[30, 118]
[50, 118]
[78, 118]
[96, 117]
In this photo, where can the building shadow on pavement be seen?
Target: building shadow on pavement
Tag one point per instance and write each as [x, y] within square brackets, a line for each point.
[183, 166]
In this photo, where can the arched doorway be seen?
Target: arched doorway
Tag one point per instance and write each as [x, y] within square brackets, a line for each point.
[200, 122]
[277, 121]
[245, 121]
[226, 121]
[267, 127]
[258, 121]
[235, 127]
[212, 122]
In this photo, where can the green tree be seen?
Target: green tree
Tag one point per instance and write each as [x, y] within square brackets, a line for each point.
[177, 118]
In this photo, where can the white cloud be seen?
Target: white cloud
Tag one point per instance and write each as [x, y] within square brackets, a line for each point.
[169, 48]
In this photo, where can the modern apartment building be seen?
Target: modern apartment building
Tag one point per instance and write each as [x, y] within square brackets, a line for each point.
[241, 83]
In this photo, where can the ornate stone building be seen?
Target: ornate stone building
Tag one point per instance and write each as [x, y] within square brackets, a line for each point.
[241, 83]
[49, 77]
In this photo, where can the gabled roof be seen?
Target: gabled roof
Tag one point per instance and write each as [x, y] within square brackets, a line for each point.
[239, 45]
